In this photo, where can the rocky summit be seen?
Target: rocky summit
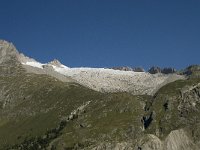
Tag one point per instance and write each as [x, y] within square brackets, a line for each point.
[51, 106]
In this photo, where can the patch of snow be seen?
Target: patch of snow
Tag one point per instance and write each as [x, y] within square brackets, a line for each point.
[110, 80]
[75, 71]
[33, 64]
[63, 66]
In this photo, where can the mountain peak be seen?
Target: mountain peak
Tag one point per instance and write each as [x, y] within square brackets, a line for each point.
[4, 42]
[7, 51]
[56, 63]
[7, 46]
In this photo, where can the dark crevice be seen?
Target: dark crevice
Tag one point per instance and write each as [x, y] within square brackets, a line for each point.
[166, 106]
[147, 120]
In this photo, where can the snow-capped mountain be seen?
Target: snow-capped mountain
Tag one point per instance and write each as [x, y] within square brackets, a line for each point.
[107, 80]
[99, 79]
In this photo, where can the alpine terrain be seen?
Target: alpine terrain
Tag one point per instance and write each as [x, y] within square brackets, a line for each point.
[54, 107]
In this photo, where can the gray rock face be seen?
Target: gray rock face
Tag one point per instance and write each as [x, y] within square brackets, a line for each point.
[55, 62]
[149, 142]
[123, 68]
[190, 102]
[9, 63]
[7, 52]
[168, 70]
[135, 69]
[138, 69]
[176, 140]
[193, 70]
[154, 70]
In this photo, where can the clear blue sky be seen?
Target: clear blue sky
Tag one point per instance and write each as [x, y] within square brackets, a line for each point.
[105, 33]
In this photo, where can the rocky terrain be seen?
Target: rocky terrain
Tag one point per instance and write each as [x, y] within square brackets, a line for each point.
[55, 107]
[154, 70]
[135, 69]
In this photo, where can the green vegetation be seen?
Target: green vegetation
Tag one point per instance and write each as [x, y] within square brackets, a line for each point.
[35, 104]
[35, 110]
[166, 107]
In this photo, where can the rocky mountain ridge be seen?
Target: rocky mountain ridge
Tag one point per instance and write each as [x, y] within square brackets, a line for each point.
[154, 70]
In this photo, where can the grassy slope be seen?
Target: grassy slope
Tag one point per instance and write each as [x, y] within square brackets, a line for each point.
[38, 102]
[117, 118]
[166, 120]
[113, 118]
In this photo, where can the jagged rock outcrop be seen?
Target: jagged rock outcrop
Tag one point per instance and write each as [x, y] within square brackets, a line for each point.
[149, 142]
[8, 52]
[135, 69]
[168, 70]
[138, 69]
[192, 71]
[10, 56]
[190, 103]
[154, 70]
[55, 62]
[176, 140]
[9, 62]
[123, 68]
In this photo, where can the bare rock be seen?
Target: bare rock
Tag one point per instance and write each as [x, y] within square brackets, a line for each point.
[154, 70]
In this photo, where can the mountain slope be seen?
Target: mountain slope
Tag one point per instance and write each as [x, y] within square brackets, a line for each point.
[37, 106]
[109, 80]
[40, 111]
[117, 120]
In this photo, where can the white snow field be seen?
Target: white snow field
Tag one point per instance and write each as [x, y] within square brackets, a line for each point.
[109, 80]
